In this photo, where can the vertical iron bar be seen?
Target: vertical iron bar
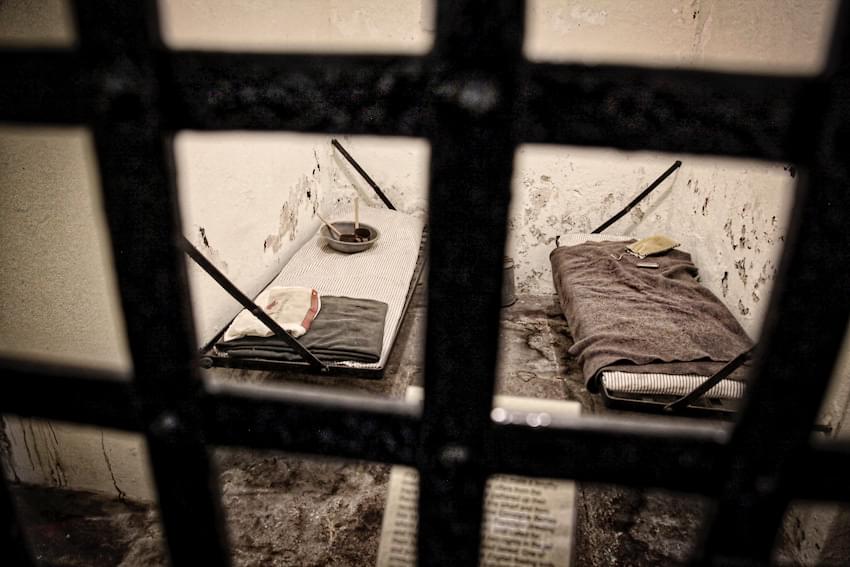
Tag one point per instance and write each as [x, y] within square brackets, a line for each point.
[807, 318]
[476, 55]
[13, 546]
[119, 41]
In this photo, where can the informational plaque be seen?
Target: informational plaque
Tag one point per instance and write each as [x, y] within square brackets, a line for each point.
[528, 522]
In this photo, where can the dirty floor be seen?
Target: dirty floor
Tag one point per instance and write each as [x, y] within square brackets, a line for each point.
[289, 510]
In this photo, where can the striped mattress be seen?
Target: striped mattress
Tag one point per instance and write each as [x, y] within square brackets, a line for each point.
[381, 273]
[654, 383]
[668, 384]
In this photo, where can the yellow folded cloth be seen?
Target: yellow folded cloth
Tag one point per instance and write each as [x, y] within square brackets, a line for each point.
[651, 245]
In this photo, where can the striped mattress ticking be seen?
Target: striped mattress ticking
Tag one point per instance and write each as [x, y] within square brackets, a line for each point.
[575, 239]
[644, 331]
[668, 384]
[381, 273]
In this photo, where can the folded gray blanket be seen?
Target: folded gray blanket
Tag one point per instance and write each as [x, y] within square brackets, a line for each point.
[623, 317]
[346, 328]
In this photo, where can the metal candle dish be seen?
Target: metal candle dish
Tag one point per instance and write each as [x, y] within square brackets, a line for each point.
[347, 228]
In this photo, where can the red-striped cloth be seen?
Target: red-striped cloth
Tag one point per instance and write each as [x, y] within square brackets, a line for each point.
[293, 308]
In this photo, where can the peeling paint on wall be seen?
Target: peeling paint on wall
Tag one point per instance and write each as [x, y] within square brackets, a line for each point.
[750, 202]
[557, 192]
[202, 243]
[730, 215]
[255, 196]
[301, 203]
[398, 165]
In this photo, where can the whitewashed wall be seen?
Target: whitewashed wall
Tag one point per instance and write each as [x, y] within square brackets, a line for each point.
[59, 295]
[60, 305]
[719, 34]
[398, 165]
[729, 214]
[299, 25]
[248, 202]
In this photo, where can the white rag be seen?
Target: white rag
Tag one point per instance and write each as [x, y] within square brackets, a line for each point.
[293, 308]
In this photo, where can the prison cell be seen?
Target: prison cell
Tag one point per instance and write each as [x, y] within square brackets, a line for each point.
[475, 98]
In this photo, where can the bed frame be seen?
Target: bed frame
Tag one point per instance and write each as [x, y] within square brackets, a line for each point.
[694, 403]
[210, 356]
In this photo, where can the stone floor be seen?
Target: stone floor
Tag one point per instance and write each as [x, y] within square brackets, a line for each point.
[290, 510]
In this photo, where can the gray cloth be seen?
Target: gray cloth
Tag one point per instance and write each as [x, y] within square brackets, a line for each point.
[623, 317]
[346, 328]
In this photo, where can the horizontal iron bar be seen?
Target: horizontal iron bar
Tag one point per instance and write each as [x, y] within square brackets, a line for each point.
[590, 449]
[81, 395]
[357, 94]
[44, 86]
[306, 421]
[631, 108]
[660, 455]
[604, 450]
[679, 111]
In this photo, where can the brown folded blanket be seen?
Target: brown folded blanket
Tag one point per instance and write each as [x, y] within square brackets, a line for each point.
[623, 317]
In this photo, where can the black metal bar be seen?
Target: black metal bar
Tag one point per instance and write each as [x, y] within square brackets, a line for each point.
[44, 86]
[477, 50]
[626, 107]
[806, 320]
[680, 111]
[708, 384]
[354, 94]
[86, 396]
[12, 540]
[661, 455]
[639, 198]
[119, 42]
[348, 426]
[363, 174]
[255, 309]
[592, 449]
[597, 449]
[823, 472]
